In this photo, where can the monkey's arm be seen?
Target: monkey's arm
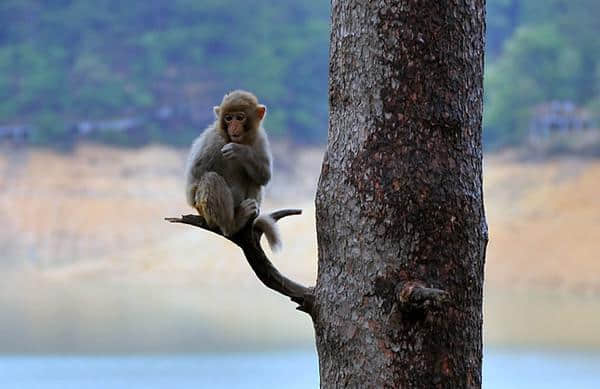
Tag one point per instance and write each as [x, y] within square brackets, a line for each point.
[201, 159]
[255, 159]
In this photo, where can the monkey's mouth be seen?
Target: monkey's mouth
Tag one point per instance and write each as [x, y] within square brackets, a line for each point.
[235, 138]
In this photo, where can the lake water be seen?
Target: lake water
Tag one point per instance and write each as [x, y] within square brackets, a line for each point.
[503, 369]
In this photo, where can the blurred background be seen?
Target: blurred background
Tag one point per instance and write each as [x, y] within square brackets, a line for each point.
[99, 101]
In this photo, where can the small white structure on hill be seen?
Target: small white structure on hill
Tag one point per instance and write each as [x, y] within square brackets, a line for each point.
[558, 117]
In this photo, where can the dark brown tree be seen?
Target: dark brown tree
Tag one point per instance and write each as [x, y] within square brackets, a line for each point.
[400, 219]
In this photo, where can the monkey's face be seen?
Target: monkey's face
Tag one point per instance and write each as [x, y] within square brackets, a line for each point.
[235, 125]
[239, 116]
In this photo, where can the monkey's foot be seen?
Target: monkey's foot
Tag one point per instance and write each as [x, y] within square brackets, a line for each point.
[249, 208]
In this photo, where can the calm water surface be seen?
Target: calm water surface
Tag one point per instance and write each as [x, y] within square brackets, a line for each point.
[503, 369]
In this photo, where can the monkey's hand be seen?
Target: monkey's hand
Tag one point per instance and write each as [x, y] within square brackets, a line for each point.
[233, 151]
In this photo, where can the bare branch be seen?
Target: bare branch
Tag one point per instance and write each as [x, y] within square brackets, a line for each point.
[284, 212]
[276, 215]
[248, 239]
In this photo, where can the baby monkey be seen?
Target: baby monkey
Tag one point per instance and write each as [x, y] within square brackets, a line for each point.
[228, 166]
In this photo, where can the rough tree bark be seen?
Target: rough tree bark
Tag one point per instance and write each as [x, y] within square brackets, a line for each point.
[400, 219]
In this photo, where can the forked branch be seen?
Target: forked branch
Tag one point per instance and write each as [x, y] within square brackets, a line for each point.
[248, 239]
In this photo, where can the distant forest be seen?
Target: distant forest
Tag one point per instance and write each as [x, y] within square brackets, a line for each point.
[132, 72]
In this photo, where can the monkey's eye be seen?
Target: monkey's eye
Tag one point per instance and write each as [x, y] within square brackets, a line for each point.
[228, 118]
[240, 117]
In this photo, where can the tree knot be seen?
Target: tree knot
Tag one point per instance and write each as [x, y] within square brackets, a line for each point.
[415, 296]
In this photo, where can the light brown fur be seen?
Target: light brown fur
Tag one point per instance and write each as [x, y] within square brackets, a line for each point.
[228, 166]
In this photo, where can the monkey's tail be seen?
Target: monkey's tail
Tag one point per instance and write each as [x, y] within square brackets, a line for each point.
[268, 226]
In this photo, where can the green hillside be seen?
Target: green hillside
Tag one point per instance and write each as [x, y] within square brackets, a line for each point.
[131, 72]
[64, 61]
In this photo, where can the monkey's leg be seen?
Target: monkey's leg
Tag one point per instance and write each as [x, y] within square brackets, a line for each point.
[246, 210]
[215, 202]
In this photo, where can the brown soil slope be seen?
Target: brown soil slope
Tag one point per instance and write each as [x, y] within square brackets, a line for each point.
[84, 245]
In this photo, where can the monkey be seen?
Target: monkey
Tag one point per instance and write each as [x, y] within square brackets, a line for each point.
[228, 166]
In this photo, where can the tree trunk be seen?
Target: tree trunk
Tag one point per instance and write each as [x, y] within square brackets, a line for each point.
[400, 219]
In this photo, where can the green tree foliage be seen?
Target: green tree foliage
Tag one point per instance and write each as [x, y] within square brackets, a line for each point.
[542, 50]
[537, 64]
[503, 19]
[62, 61]
[68, 61]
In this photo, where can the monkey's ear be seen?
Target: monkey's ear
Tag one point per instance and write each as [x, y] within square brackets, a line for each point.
[216, 110]
[261, 111]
